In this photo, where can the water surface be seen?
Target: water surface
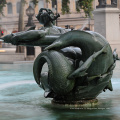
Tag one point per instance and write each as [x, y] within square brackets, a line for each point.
[22, 99]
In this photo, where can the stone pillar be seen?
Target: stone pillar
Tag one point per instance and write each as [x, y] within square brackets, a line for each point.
[59, 6]
[118, 4]
[14, 8]
[45, 4]
[36, 10]
[50, 4]
[72, 6]
[106, 22]
[37, 51]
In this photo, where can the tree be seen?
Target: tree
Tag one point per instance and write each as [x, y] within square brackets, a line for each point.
[86, 5]
[2, 5]
[65, 6]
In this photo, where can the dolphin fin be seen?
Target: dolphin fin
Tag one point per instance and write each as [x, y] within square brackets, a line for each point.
[112, 67]
[104, 49]
[109, 86]
[77, 74]
[48, 94]
[93, 77]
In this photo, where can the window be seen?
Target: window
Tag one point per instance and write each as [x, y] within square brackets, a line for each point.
[18, 7]
[40, 4]
[53, 5]
[9, 8]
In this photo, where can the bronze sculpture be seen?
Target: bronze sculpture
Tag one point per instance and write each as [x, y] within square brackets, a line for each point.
[80, 63]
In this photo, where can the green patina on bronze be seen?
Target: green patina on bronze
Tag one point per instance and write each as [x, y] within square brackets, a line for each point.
[80, 63]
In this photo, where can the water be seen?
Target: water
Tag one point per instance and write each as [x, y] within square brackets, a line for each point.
[22, 99]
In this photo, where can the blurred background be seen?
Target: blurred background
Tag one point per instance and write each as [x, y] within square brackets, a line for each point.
[19, 15]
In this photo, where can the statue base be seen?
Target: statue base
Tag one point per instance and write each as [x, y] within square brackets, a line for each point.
[107, 6]
[75, 104]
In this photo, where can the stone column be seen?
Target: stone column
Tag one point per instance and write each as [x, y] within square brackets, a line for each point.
[36, 9]
[50, 4]
[14, 8]
[106, 22]
[37, 51]
[72, 6]
[59, 6]
[118, 4]
[45, 4]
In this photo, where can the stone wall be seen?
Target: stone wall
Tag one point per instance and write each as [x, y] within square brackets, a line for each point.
[11, 57]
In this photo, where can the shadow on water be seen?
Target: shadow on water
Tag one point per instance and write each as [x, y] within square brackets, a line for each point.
[22, 99]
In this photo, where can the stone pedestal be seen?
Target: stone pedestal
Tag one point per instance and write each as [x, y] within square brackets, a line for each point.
[75, 104]
[107, 24]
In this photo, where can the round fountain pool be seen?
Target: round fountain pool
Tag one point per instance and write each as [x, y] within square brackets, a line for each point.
[22, 99]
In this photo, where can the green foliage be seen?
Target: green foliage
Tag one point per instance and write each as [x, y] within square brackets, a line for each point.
[35, 2]
[65, 6]
[2, 4]
[86, 5]
[47, 1]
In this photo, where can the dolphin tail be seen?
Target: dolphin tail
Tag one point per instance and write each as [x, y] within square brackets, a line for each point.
[49, 94]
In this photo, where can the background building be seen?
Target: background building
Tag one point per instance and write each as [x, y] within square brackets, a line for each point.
[9, 22]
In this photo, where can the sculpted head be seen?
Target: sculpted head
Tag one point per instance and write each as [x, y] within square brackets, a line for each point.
[46, 17]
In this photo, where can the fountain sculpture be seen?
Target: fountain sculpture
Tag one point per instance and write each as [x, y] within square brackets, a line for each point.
[80, 63]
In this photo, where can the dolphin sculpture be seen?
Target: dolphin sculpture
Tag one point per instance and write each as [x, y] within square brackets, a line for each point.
[82, 74]
[89, 43]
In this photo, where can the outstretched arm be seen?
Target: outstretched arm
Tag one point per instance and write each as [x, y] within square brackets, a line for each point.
[31, 37]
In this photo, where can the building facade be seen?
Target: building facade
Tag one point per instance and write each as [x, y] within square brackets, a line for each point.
[9, 22]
